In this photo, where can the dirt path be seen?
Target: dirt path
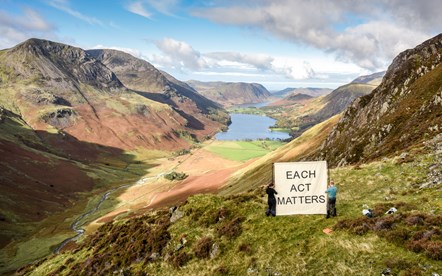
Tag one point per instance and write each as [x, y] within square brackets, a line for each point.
[207, 173]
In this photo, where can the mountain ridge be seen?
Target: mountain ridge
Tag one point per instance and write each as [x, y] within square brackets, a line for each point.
[231, 93]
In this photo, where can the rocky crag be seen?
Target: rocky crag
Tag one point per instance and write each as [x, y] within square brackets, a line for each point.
[401, 113]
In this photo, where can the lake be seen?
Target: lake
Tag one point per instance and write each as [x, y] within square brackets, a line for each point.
[254, 127]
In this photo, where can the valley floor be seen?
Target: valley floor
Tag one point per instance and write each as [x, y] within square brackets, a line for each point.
[207, 172]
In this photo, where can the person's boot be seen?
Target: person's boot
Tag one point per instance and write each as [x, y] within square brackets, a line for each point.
[334, 212]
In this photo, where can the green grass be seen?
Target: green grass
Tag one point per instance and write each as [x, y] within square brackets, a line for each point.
[251, 243]
[243, 150]
[39, 247]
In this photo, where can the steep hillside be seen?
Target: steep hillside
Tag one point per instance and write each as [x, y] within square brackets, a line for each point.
[401, 113]
[231, 93]
[60, 88]
[230, 235]
[137, 74]
[46, 179]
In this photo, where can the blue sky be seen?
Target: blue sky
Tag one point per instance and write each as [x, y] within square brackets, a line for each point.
[284, 43]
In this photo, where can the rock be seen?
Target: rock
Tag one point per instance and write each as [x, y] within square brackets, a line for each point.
[214, 252]
[252, 270]
[175, 214]
[154, 256]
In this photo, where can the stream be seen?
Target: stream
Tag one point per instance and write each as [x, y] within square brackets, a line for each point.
[76, 225]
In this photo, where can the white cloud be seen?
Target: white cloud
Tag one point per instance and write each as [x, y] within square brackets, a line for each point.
[367, 33]
[179, 53]
[259, 61]
[164, 6]
[145, 7]
[63, 5]
[138, 8]
[15, 29]
[134, 52]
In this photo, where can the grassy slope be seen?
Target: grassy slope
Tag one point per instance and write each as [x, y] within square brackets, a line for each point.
[250, 242]
[42, 236]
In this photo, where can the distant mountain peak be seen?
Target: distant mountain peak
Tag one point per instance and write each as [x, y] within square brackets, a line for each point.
[59, 63]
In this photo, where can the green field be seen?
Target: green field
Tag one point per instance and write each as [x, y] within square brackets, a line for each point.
[243, 150]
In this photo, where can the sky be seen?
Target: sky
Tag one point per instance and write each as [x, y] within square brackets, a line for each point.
[280, 43]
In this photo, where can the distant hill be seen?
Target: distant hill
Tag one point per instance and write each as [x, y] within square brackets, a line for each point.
[340, 98]
[231, 93]
[402, 112]
[298, 97]
[374, 79]
[311, 91]
[308, 112]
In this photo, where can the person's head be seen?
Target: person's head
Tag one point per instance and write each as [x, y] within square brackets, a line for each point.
[271, 185]
[332, 183]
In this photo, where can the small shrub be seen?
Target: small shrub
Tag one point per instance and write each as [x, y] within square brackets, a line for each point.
[383, 224]
[180, 259]
[396, 236]
[358, 226]
[433, 249]
[175, 176]
[232, 228]
[397, 264]
[246, 248]
[202, 248]
[214, 216]
[361, 229]
[417, 219]
[221, 270]
[416, 246]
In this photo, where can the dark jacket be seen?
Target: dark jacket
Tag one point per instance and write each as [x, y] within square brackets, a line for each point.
[271, 193]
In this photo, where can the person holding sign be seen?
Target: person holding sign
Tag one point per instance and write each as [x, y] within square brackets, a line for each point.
[331, 203]
[271, 200]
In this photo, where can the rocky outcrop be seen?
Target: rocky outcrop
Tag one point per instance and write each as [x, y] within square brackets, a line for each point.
[403, 111]
[59, 64]
[434, 177]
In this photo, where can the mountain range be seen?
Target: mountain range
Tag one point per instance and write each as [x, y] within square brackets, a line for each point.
[231, 93]
[311, 91]
[67, 124]
[383, 144]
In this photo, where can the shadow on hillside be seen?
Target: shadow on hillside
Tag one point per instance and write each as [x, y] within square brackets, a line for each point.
[42, 173]
[193, 122]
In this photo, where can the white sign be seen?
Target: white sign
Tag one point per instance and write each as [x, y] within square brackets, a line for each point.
[301, 187]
